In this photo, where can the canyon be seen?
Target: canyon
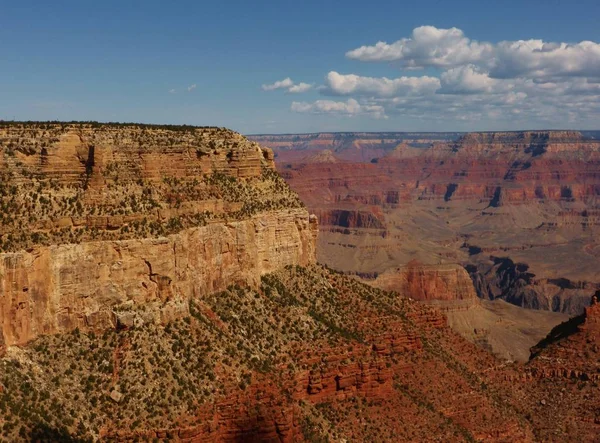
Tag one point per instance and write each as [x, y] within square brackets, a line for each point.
[517, 210]
[161, 282]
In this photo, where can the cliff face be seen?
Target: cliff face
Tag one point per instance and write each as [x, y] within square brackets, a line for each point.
[429, 282]
[505, 167]
[494, 167]
[114, 217]
[60, 288]
[192, 317]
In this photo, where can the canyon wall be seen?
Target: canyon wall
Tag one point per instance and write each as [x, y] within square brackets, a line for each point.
[482, 201]
[195, 261]
[350, 146]
[309, 355]
[98, 220]
[60, 288]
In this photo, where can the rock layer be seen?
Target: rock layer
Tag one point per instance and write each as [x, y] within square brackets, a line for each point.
[60, 288]
[482, 201]
[429, 282]
[97, 219]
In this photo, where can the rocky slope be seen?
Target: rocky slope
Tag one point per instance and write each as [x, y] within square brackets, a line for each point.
[561, 380]
[502, 329]
[99, 217]
[309, 355]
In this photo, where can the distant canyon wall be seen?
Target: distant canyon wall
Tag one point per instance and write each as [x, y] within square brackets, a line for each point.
[497, 168]
[527, 197]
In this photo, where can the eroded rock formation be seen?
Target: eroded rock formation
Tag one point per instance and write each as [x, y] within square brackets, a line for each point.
[429, 282]
[60, 288]
[484, 200]
[113, 216]
[210, 322]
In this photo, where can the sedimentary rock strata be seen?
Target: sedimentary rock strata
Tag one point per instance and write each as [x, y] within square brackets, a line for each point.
[310, 354]
[484, 200]
[60, 288]
[194, 311]
[100, 216]
[429, 282]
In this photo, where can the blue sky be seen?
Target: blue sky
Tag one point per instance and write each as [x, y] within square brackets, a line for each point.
[139, 61]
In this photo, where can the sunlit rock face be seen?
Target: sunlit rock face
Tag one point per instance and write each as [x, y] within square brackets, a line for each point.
[99, 216]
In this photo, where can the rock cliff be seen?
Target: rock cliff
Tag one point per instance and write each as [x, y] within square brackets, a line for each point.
[308, 355]
[100, 217]
[429, 282]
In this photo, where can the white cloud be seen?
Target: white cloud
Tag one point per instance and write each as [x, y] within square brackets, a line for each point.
[536, 58]
[281, 84]
[466, 80]
[172, 91]
[289, 85]
[339, 84]
[469, 83]
[428, 46]
[299, 88]
[349, 108]
[191, 87]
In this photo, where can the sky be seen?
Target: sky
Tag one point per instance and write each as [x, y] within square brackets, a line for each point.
[292, 67]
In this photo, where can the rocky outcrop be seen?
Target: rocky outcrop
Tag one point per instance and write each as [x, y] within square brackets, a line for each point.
[259, 414]
[326, 156]
[575, 342]
[100, 219]
[422, 282]
[341, 218]
[501, 277]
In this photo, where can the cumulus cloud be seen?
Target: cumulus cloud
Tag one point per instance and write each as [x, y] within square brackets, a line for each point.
[469, 82]
[339, 84]
[349, 108]
[299, 88]
[191, 87]
[427, 46]
[466, 80]
[281, 84]
[289, 85]
[172, 91]
[536, 58]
